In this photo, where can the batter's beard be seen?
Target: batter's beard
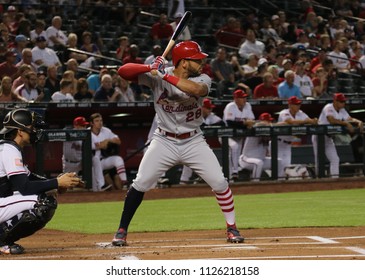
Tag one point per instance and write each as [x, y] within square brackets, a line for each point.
[193, 72]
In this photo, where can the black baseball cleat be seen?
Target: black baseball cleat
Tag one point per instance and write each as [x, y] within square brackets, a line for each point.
[234, 236]
[12, 249]
[105, 187]
[120, 238]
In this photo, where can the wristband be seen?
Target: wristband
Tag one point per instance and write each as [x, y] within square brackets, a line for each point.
[171, 79]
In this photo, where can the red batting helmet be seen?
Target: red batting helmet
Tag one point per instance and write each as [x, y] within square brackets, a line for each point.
[187, 50]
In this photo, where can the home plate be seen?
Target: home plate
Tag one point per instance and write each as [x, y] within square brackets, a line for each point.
[105, 245]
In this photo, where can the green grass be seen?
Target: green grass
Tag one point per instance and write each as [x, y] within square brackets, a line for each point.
[297, 209]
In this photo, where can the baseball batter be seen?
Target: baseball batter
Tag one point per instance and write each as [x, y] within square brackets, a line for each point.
[72, 150]
[335, 114]
[25, 203]
[101, 136]
[178, 96]
[255, 150]
[291, 116]
[237, 114]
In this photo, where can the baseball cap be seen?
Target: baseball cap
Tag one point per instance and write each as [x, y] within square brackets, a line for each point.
[262, 60]
[274, 17]
[294, 100]
[299, 62]
[312, 35]
[266, 117]
[339, 97]
[20, 38]
[287, 60]
[207, 103]
[239, 93]
[40, 39]
[11, 9]
[80, 121]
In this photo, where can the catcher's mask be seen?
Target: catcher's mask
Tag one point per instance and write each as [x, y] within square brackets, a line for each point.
[26, 120]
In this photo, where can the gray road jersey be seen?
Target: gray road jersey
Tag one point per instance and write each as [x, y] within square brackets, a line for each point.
[177, 112]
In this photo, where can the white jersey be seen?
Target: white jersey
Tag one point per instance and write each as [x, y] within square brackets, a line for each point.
[177, 112]
[340, 60]
[58, 96]
[105, 133]
[72, 151]
[47, 55]
[329, 110]
[255, 147]
[212, 119]
[11, 161]
[285, 115]
[54, 32]
[28, 95]
[233, 113]
[305, 84]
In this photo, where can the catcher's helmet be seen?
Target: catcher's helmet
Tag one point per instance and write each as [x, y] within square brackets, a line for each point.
[187, 50]
[25, 120]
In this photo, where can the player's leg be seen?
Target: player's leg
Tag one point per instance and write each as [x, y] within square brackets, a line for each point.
[201, 159]
[98, 180]
[118, 163]
[253, 164]
[235, 145]
[315, 152]
[186, 174]
[331, 154]
[159, 157]
[284, 153]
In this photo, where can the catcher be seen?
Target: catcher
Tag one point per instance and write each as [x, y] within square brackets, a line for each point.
[27, 200]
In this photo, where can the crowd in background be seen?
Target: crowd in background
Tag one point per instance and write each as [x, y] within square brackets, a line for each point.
[42, 60]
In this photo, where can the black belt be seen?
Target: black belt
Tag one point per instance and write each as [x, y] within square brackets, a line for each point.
[70, 161]
[178, 136]
[284, 141]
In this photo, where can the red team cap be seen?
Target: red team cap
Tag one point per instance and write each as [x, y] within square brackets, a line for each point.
[239, 93]
[294, 100]
[208, 104]
[81, 121]
[339, 97]
[266, 117]
[187, 50]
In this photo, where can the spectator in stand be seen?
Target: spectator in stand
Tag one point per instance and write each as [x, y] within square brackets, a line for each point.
[29, 89]
[65, 93]
[271, 54]
[358, 52]
[312, 42]
[161, 31]
[185, 35]
[123, 48]
[250, 68]
[320, 83]
[20, 44]
[122, 87]
[251, 45]
[133, 55]
[94, 80]
[70, 76]
[106, 91]
[83, 93]
[82, 59]
[287, 88]
[266, 90]
[239, 72]
[237, 114]
[257, 79]
[325, 42]
[52, 81]
[318, 59]
[39, 30]
[88, 45]
[267, 31]
[8, 67]
[287, 65]
[84, 25]
[5, 37]
[7, 94]
[302, 80]
[283, 24]
[27, 58]
[339, 58]
[156, 51]
[274, 70]
[223, 72]
[44, 94]
[23, 69]
[72, 65]
[56, 38]
[231, 34]
[44, 56]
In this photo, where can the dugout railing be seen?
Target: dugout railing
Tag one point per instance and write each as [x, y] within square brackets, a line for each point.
[63, 135]
[273, 132]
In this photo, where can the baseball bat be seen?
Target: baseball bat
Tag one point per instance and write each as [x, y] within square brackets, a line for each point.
[179, 29]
